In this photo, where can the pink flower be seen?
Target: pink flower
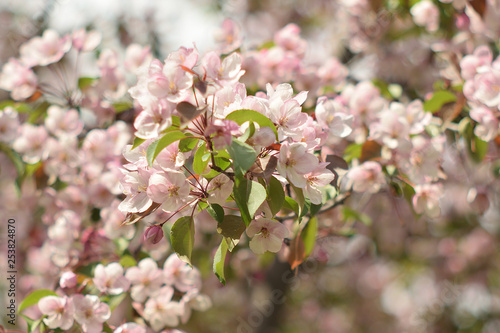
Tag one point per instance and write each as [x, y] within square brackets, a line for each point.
[295, 161]
[171, 189]
[426, 199]
[392, 128]
[267, 235]
[487, 127]
[329, 114]
[219, 189]
[367, 177]
[229, 37]
[90, 312]
[109, 279]
[31, 143]
[471, 63]
[68, 280]
[226, 72]
[193, 300]
[224, 131]
[171, 157]
[426, 14]
[135, 187]
[146, 279]
[320, 177]
[45, 50]
[137, 56]
[130, 328]
[85, 41]
[417, 117]
[62, 122]
[169, 81]
[161, 311]
[152, 121]
[60, 311]
[289, 39]
[179, 274]
[183, 57]
[487, 88]
[18, 79]
[9, 124]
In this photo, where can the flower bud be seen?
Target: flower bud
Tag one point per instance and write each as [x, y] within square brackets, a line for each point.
[153, 234]
[68, 280]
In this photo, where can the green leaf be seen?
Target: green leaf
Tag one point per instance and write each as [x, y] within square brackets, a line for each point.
[352, 215]
[314, 209]
[275, 195]
[231, 228]
[291, 204]
[309, 235]
[34, 297]
[123, 106]
[241, 116]
[243, 156]
[256, 194]
[187, 144]
[353, 151]
[219, 260]
[85, 82]
[241, 199]
[438, 100]
[157, 146]
[128, 261]
[88, 270]
[14, 157]
[182, 238]
[200, 161]
[137, 142]
[216, 211]
[303, 203]
[480, 149]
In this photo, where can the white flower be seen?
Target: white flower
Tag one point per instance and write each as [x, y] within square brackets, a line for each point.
[171, 189]
[60, 311]
[109, 279]
[146, 279]
[294, 161]
[267, 235]
[314, 180]
[219, 189]
[161, 311]
[90, 312]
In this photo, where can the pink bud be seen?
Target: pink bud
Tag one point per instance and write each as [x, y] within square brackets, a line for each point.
[68, 280]
[153, 234]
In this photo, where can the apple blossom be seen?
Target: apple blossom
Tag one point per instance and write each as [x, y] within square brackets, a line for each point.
[146, 279]
[9, 125]
[426, 14]
[367, 177]
[90, 312]
[109, 279]
[170, 189]
[161, 311]
[60, 311]
[319, 177]
[426, 199]
[266, 234]
[45, 50]
[295, 161]
[18, 79]
[179, 274]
